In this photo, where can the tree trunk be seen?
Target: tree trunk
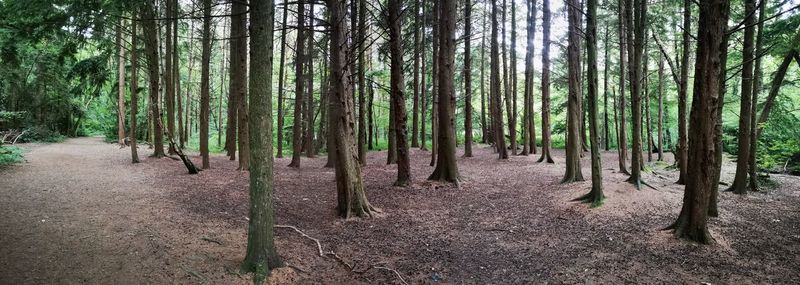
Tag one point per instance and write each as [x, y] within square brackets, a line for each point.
[595, 196]
[169, 80]
[467, 79]
[683, 91]
[176, 72]
[204, 83]
[496, 104]
[435, 84]
[757, 82]
[359, 49]
[151, 49]
[120, 85]
[133, 133]
[238, 78]
[622, 141]
[636, 24]
[221, 84]
[424, 106]
[739, 185]
[512, 79]
[300, 57]
[261, 255]
[506, 86]
[485, 137]
[661, 108]
[527, 118]
[691, 224]
[573, 163]
[398, 93]
[446, 166]
[606, 64]
[417, 47]
[351, 197]
[308, 136]
[546, 16]
[281, 79]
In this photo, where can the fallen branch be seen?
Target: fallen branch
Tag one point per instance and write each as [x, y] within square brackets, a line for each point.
[319, 246]
[211, 240]
[395, 272]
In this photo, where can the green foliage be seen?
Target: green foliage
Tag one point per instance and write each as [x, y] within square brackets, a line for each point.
[10, 155]
[41, 134]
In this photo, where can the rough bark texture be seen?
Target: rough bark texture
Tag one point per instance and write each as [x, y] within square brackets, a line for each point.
[281, 80]
[636, 17]
[359, 49]
[467, 79]
[546, 18]
[153, 69]
[435, 83]
[606, 65]
[398, 93]
[485, 137]
[446, 166]
[660, 130]
[176, 72]
[261, 255]
[417, 47]
[528, 124]
[573, 163]
[692, 222]
[595, 196]
[507, 90]
[205, 97]
[308, 134]
[134, 88]
[120, 85]
[739, 185]
[496, 101]
[622, 141]
[300, 55]
[683, 94]
[757, 82]
[238, 78]
[351, 197]
[169, 80]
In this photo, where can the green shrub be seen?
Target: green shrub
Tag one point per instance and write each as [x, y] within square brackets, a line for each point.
[41, 134]
[10, 155]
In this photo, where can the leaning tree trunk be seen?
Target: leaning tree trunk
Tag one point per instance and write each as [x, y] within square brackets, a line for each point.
[573, 163]
[691, 223]
[351, 197]
[261, 255]
[300, 57]
[398, 93]
[446, 166]
[546, 16]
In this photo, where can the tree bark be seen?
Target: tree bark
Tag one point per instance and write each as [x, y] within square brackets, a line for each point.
[134, 88]
[636, 20]
[496, 104]
[417, 47]
[485, 137]
[660, 108]
[169, 80]
[435, 83]
[120, 84]
[507, 93]
[606, 64]
[176, 72]
[622, 140]
[446, 166]
[151, 51]
[281, 76]
[546, 18]
[683, 91]
[740, 181]
[238, 78]
[573, 163]
[757, 82]
[300, 57]
[308, 137]
[204, 83]
[261, 255]
[398, 93]
[359, 49]
[467, 79]
[691, 223]
[528, 128]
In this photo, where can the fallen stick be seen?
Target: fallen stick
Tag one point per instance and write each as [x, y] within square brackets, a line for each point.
[319, 245]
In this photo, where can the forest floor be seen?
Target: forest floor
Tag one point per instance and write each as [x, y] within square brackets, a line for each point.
[78, 212]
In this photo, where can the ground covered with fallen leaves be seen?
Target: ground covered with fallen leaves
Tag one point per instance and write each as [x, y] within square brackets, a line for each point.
[78, 212]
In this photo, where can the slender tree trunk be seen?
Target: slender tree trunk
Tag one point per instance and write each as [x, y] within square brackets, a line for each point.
[204, 83]
[636, 23]
[573, 163]
[595, 196]
[647, 118]
[528, 127]
[417, 47]
[546, 16]
[660, 108]
[495, 81]
[507, 74]
[512, 79]
[606, 64]
[485, 137]
[446, 166]
[300, 57]
[188, 106]
[261, 255]
[467, 79]
[120, 85]
[232, 126]
[740, 181]
[176, 72]
[133, 133]
[371, 131]
[151, 49]
[398, 92]
[424, 75]
[309, 106]
[221, 86]
[683, 91]
[169, 80]
[238, 78]
[351, 197]
[281, 76]
[435, 83]
[691, 223]
[359, 49]
[623, 137]
[757, 82]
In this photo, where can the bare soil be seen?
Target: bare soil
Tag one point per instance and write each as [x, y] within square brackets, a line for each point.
[79, 213]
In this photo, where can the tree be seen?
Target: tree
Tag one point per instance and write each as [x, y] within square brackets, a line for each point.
[446, 166]
[151, 51]
[546, 18]
[636, 20]
[494, 80]
[757, 82]
[435, 82]
[204, 83]
[134, 87]
[398, 92]
[507, 90]
[528, 129]
[176, 74]
[691, 223]
[359, 48]
[485, 137]
[238, 78]
[606, 65]
[351, 197]
[308, 136]
[595, 196]
[622, 141]
[281, 72]
[467, 79]
[169, 80]
[683, 91]
[661, 108]
[417, 50]
[261, 256]
[120, 85]
[573, 163]
[300, 58]
[740, 181]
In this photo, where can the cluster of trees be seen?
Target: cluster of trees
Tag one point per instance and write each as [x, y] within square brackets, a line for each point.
[346, 98]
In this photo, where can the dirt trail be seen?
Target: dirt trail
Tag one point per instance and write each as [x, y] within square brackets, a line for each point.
[79, 213]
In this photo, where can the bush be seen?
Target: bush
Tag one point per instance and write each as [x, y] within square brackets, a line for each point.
[10, 155]
[41, 134]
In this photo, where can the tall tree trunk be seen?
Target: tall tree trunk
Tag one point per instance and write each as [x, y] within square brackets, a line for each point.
[647, 118]
[176, 72]
[622, 140]
[528, 127]
[169, 80]
[398, 92]
[133, 133]
[359, 49]
[238, 78]
[495, 80]
[467, 79]
[204, 83]
[187, 129]
[417, 47]
[351, 197]
[740, 181]
[683, 91]
[446, 166]
[546, 18]
[300, 57]
[692, 221]
[309, 106]
[232, 126]
[512, 79]
[573, 163]
[151, 50]
[120, 84]
[606, 64]
[757, 82]
[636, 20]
[507, 74]
[661, 108]
[261, 255]
[595, 196]
[485, 137]
[221, 86]
[424, 75]
[435, 83]
[281, 76]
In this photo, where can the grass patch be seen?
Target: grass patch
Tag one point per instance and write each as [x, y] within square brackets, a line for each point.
[10, 155]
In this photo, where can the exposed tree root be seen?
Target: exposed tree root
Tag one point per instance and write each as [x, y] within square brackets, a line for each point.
[593, 198]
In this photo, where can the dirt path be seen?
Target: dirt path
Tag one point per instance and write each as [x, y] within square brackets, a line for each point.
[80, 213]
